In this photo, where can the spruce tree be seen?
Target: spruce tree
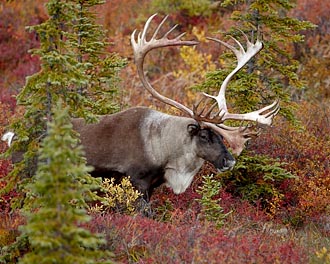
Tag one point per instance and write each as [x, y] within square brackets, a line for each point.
[186, 7]
[88, 41]
[57, 199]
[75, 68]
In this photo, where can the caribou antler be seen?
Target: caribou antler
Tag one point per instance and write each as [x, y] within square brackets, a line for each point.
[263, 116]
[208, 116]
[235, 136]
[141, 47]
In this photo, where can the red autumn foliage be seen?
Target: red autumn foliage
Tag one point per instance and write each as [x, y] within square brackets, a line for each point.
[306, 152]
[143, 240]
[5, 165]
[316, 12]
[15, 41]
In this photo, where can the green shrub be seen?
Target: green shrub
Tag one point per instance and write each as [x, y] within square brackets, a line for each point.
[211, 208]
[257, 179]
[191, 8]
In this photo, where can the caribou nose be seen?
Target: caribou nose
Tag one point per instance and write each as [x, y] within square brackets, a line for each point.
[230, 163]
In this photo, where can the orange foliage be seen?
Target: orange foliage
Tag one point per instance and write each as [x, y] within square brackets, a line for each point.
[15, 61]
[316, 12]
[307, 152]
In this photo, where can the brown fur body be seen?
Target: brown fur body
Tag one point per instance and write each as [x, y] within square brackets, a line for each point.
[150, 147]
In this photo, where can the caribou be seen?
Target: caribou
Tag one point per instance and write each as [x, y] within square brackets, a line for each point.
[155, 148]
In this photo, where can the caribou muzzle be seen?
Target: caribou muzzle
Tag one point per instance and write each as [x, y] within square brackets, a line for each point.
[228, 164]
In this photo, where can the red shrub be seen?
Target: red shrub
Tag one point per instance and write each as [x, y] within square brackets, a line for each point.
[307, 152]
[144, 240]
[5, 165]
[15, 41]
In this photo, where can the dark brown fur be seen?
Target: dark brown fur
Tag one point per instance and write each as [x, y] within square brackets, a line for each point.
[149, 146]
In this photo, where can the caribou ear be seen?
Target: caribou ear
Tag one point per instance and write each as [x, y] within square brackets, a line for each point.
[193, 129]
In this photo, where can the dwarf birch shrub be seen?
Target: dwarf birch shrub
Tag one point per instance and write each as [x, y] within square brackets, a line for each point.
[122, 197]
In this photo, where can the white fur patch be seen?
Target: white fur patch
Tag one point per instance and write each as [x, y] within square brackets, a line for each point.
[156, 118]
[8, 137]
[179, 175]
[167, 144]
[155, 146]
[179, 182]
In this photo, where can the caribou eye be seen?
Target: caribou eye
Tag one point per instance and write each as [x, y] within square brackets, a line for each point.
[204, 136]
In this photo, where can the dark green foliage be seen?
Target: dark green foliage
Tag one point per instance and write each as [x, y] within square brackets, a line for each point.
[191, 8]
[11, 253]
[57, 198]
[75, 64]
[211, 208]
[100, 67]
[256, 178]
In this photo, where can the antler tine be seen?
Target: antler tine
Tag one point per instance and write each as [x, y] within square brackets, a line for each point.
[249, 45]
[170, 31]
[195, 106]
[238, 53]
[248, 42]
[146, 27]
[200, 116]
[258, 116]
[141, 47]
[165, 36]
[209, 111]
[273, 112]
[248, 133]
[181, 35]
[267, 118]
[241, 49]
[223, 43]
[159, 26]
